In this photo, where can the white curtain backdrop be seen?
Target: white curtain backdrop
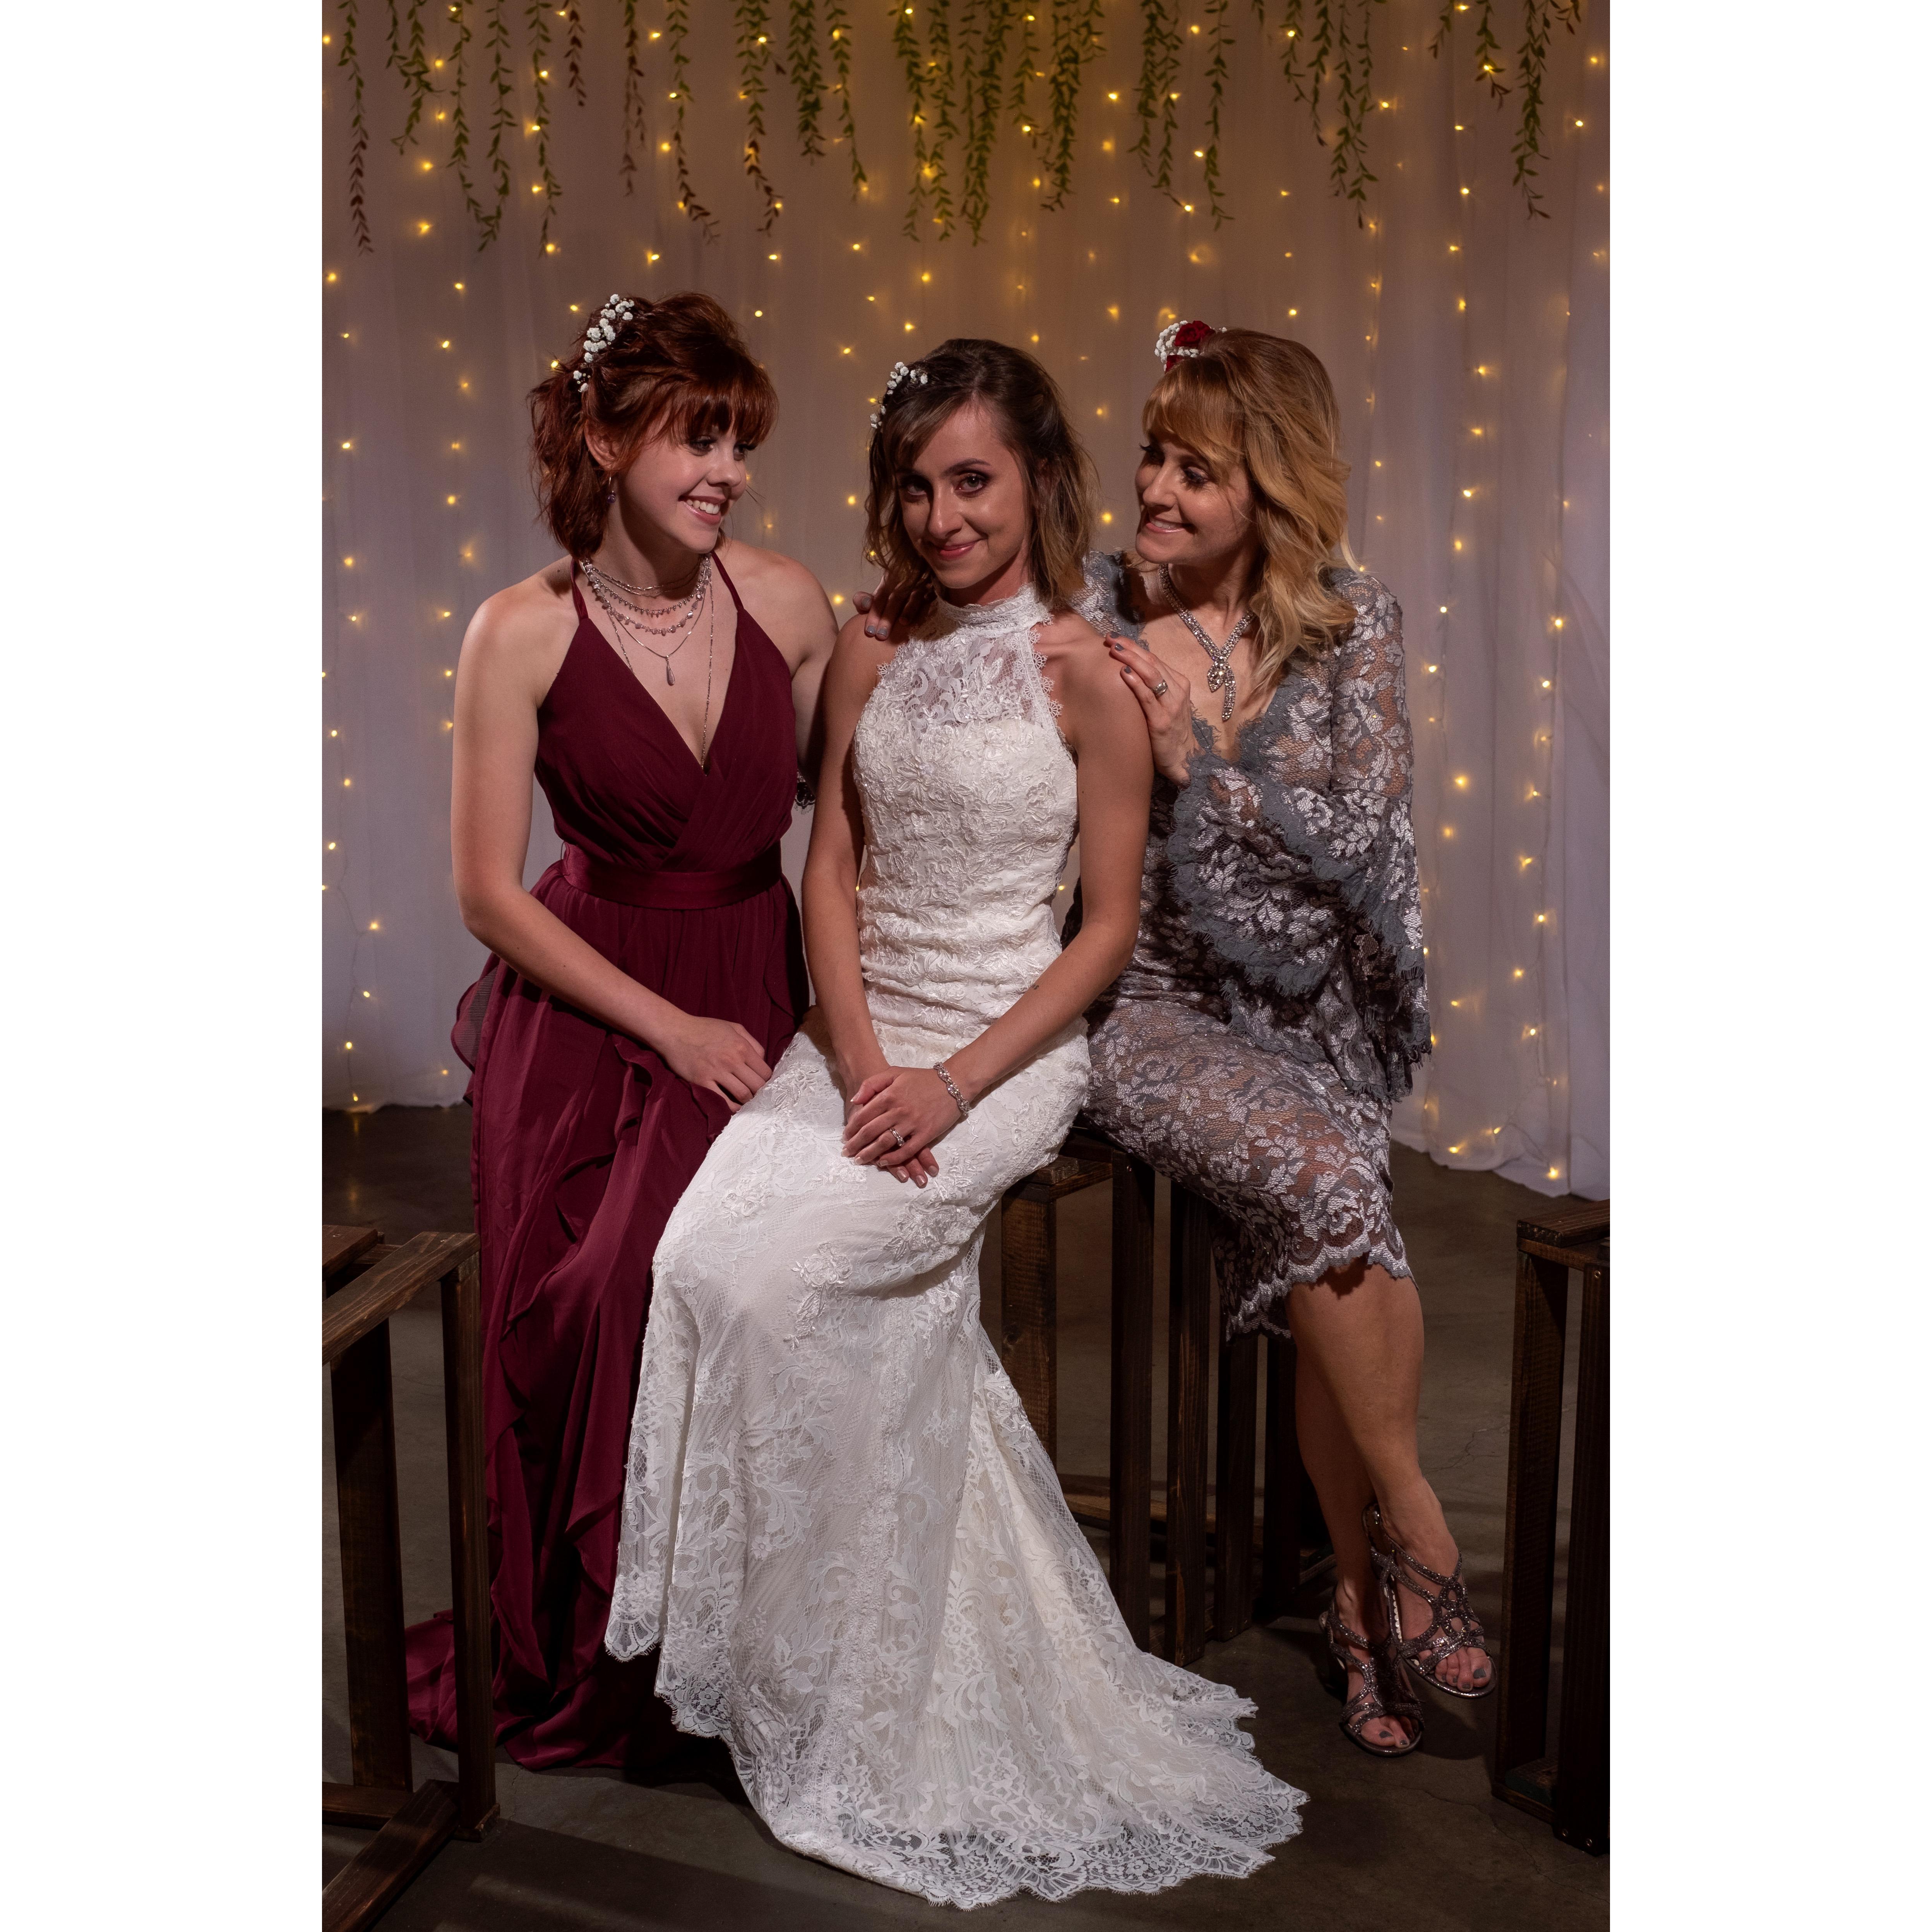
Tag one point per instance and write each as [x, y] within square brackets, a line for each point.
[1469, 343]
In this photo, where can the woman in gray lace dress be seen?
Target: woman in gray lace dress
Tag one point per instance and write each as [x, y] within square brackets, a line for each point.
[1274, 1005]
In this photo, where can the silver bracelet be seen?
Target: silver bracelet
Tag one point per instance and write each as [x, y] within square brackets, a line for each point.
[951, 1087]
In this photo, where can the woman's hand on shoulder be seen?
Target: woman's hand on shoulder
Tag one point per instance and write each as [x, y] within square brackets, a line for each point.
[891, 611]
[1166, 696]
[1097, 715]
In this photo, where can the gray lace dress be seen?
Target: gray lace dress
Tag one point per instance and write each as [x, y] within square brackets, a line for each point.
[1274, 1005]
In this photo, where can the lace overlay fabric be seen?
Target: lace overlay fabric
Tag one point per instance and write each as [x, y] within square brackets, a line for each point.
[1275, 1006]
[839, 1530]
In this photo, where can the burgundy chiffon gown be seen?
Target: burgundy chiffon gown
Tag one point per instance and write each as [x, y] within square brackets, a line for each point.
[582, 1141]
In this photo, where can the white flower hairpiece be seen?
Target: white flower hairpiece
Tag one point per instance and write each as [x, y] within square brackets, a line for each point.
[602, 333]
[900, 374]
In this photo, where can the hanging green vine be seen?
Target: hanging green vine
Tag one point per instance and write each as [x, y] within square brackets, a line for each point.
[842, 65]
[905, 44]
[983, 109]
[1076, 42]
[945, 129]
[573, 50]
[1019, 97]
[969, 66]
[536, 19]
[1158, 100]
[350, 62]
[1219, 40]
[637, 127]
[807, 75]
[754, 45]
[677, 33]
[457, 60]
[410, 59]
[1354, 89]
[502, 118]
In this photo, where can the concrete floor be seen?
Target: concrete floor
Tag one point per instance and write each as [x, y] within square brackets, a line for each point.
[1415, 1844]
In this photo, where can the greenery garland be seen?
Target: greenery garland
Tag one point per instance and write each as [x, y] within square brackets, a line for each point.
[637, 125]
[347, 58]
[753, 17]
[975, 62]
[842, 65]
[677, 32]
[536, 19]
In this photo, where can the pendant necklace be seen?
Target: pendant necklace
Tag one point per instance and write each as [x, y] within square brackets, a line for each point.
[1220, 676]
[630, 629]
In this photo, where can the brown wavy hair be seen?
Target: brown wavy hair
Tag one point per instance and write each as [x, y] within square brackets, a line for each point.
[1025, 404]
[1265, 405]
[678, 363]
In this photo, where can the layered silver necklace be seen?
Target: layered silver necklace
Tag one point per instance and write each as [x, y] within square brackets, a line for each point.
[1220, 675]
[632, 621]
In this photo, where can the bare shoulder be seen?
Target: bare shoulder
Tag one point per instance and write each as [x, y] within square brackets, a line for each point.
[857, 659]
[519, 636]
[1085, 680]
[788, 602]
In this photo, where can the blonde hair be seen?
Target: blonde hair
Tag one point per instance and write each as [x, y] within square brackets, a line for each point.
[1033, 422]
[1266, 406]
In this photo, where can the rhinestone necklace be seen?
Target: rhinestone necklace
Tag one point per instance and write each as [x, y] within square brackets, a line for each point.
[1221, 675]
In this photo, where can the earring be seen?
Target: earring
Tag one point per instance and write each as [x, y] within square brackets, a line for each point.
[610, 494]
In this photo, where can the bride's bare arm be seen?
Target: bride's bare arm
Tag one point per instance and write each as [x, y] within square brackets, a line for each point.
[833, 860]
[1102, 723]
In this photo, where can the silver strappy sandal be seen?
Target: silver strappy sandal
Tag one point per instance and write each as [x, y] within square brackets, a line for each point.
[1385, 1691]
[1452, 1624]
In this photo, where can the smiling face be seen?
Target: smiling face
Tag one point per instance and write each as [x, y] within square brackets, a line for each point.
[1187, 516]
[963, 503]
[680, 484]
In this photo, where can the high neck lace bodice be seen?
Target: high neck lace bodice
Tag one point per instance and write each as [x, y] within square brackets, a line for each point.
[1024, 610]
[970, 799]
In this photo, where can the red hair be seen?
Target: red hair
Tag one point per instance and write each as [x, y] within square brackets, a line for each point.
[678, 364]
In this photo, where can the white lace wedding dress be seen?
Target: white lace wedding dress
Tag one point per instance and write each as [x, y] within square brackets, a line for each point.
[847, 1542]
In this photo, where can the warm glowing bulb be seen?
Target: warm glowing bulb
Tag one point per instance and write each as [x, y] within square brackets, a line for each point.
[347, 446]
[1106, 516]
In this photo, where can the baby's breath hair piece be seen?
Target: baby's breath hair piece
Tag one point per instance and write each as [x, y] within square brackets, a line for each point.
[900, 374]
[602, 333]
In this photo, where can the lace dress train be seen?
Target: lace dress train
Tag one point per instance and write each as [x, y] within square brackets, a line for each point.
[839, 1530]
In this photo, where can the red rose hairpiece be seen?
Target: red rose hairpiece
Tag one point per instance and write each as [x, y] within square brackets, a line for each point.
[1181, 338]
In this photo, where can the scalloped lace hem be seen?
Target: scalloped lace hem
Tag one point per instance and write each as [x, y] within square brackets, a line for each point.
[1264, 1308]
[979, 1864]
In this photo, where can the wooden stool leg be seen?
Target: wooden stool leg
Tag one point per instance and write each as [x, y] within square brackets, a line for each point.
[1234, 1490]
[1581, 1803]
[372, 1563]
[468, 1548]
[1029, 1311]
[1190, 1303]
[1284, 1487]
[1529, 1521]
[1130, 1431]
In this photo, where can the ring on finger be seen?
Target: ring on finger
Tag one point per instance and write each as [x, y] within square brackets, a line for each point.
[1160, 689]
[899, 1138]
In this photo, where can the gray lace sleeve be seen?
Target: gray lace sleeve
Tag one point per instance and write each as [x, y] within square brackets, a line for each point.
[1296, 863]
[1108, 604]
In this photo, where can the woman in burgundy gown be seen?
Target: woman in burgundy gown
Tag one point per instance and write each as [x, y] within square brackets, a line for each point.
[661, 683]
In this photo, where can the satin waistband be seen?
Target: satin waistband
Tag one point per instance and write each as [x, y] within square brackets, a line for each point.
[665, 891]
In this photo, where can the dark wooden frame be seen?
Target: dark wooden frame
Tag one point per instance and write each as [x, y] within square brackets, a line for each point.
[365, 1282]
[1193, 1517]
[1570, 1792]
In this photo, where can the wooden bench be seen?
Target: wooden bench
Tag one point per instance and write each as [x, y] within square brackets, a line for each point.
[1571, 1792]
[364, 1282]
[1190, 1516]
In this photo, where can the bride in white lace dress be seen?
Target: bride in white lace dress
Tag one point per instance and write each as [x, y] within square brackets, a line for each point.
[840, 1531]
